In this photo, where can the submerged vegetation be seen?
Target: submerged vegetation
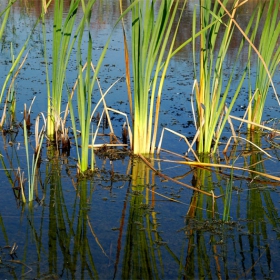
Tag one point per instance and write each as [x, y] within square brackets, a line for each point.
[202, 180]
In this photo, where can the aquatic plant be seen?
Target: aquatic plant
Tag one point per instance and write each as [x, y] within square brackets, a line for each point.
[13, 72]
[33, 166]
[85, 85]
[84, 93]
[151, 33]
[269, 50]
[210, 94]
[64, 39]
[5, 13]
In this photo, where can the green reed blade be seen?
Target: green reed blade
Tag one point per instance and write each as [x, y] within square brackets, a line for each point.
[84, 105]
[6, 13]
[30, 192]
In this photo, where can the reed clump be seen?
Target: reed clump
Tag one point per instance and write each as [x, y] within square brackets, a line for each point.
[268, 59]
[151, 54]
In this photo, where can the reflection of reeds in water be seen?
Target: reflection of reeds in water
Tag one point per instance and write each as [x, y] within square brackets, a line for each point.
[67, 233]
[213, 247]
[141, 258]
[261, 213]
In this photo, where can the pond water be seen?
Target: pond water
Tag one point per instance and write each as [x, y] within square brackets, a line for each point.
[125, 221]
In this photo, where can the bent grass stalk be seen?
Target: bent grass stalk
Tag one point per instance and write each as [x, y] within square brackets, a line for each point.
[181, 136]
[253, 47]
[94, 134]
[173, 180]
[216, 165]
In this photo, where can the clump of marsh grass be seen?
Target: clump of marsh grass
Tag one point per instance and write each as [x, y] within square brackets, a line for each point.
[87, 133]
[64, 39]
[209, 92]
[151, 33]
[84, 84]
[269, 50]
[84, 94]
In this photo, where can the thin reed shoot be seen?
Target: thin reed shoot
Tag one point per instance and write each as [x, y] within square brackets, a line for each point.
[5, 13]
[33, 165]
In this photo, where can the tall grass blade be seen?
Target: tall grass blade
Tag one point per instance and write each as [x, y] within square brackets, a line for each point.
[6, 13]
